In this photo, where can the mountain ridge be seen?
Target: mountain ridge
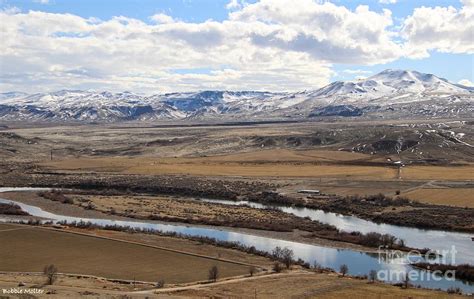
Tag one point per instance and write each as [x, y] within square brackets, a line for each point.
[380, 95]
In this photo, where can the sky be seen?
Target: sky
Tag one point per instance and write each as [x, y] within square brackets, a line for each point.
[157, 46]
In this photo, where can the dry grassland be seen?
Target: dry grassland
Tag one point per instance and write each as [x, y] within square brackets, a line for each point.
[461, 197]
[30, 249]
[265, 163]
[309, 285]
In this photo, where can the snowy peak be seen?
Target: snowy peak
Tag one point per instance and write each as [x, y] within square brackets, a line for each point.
[389, 84]
[413, 81]
[388, 92]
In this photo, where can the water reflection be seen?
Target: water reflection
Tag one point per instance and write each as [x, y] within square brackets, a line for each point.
[417, 238]
[359, 263]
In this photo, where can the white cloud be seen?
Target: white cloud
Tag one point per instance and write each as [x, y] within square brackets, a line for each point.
[271, 44]
[387, 1]
[41, 1]
[10, 10]
[162, 18]
[356, 72]
[277, 45]
[325, 31]
[466, 82]
[233, 4]
[445, 29]
[44, 51]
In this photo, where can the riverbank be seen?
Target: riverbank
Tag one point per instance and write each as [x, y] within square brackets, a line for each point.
[381, 209]
[464, 271]
[359, 263]
[302, 282]
[55, 207]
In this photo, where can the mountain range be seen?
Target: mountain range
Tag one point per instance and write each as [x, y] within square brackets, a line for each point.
[389, 94]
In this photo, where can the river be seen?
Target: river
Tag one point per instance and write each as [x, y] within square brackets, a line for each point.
[390, 269]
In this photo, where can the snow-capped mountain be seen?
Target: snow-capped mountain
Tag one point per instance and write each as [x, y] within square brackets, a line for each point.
[391, 93]
[390, 87]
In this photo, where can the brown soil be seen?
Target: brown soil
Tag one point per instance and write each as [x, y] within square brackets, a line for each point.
[33, 248]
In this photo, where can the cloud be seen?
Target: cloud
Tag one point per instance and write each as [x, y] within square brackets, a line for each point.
[233, 4]
[10, 10]
[41, 1]
[444, 29]
[267, 45]
[44, 51]
[162, 18]
[326, 32]
[387, 1]
[356, 72]
[466, 82]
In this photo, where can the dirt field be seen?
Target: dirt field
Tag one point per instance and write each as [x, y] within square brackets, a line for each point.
[294, 284]
[185, 245]
[340, 158]
[461, 197]
[308, 285]
[290, 164]
[29, 249]
[309, 152]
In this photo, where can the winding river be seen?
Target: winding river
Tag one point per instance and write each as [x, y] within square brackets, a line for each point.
[414, 237]
[390, 269]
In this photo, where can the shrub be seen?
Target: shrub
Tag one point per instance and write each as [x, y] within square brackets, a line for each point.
[453, 290]
[160, 284]
[56, 195]
[11, 209]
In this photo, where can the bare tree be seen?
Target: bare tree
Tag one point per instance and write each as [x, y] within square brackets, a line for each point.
[252, 270]
[372, 275]
[287, 257]
[277, 253]
[213, 273]
[317, 266]
[51, 272]
[401, 243]
[277, 267]
[406, 281]
[343, 269]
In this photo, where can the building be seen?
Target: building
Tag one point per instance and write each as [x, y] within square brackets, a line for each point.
[309, 191]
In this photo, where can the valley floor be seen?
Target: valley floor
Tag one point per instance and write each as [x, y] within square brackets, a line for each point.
[156, 173]
[116, 284]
